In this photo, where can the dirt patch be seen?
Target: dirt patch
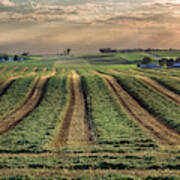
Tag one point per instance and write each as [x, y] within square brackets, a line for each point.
[74, 130]
[159, 131]
[44, 69]
[24, 69]
[32, 99]
[4, 69]
[33, 71]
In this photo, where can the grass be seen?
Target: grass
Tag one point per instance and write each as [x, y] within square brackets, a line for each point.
[94, 177]
[134, 57]
[92, 163]
[36, 131]
[15, 94]
[111, 126]
[171, 84]
[168, 54]
[113, 130]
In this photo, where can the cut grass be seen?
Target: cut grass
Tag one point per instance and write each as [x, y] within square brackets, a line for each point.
[15, 94]
[170, 54]
[111, 126]
[171, 84]
[92, 163]
[163, 109]
[35, 132]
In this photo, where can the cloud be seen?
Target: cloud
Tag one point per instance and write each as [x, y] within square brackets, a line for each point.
[89, 26]
[94, 12]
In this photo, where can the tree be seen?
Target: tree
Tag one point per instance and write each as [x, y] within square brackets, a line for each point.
[162, 61]
[178, 60]
[68, 51]
[16, 58]
[146, 60]
[107, 50]
[170, 62]
[25, 54]
[138, 65]
[6, 57]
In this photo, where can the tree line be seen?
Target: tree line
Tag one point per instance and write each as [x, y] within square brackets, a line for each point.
[162, 62]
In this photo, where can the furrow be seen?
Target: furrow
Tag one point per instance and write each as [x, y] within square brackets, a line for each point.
[161, 133]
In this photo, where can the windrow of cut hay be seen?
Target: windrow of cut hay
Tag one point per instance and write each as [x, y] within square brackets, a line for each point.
[32, 99]
[164, 109]
[155, 85]
[24, 69]
[150, 72]
[74, 129]
[174, 97]
[161, 133]
[84, 174]
[44, 69]
[4, 86]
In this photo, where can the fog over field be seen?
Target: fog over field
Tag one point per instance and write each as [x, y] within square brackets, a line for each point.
[49, 26]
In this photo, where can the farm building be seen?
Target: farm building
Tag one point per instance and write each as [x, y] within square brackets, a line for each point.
[151, 66]
[2, 59]
[176, 65]
[11, 59]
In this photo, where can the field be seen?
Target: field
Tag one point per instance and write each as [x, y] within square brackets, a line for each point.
[167, 54]
[93, 116]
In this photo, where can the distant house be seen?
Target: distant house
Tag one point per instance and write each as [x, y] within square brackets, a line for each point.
[2, 60]
[176, 65]
[151, 66]
[10, 59]
[20, 59]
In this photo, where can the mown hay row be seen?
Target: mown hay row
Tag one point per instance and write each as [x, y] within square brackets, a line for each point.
[159, 131]
[74, 129]
[32, 99]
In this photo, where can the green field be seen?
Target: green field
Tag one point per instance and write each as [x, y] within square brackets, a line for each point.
[168, 54]
[89, 117]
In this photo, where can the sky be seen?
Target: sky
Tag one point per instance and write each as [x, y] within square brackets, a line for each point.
[51, 26]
